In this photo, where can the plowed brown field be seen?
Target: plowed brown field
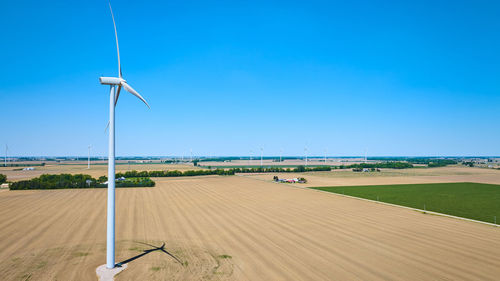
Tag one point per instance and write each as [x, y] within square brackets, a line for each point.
[237, 228]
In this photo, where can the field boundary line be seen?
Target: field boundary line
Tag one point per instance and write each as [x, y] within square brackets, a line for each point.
[401, 206]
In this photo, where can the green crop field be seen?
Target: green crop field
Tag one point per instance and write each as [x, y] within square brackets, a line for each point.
[468, 200]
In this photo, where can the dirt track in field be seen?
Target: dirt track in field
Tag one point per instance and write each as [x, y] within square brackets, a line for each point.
[237, 228]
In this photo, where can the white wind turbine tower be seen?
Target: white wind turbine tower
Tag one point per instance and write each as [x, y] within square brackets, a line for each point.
[6, 149]
[305, 153]
[281, 153]
[88, 160]
[261, 152]
[116, 84]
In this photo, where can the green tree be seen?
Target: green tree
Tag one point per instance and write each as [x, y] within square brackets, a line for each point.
[3, 178]
[300, 169]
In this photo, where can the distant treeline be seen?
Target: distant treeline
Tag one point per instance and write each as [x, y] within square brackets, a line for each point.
[441, 163]
[232, 158]
[432, 162]
[268, 169]
[133, 182]
[23, 164]
[62, 181]
[297, 169]
[175, 173]
[220, 172]
[429, 161]
[387, 165]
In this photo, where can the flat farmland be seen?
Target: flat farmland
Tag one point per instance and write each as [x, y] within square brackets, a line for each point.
[96, 170]
[237, 228]
[347, 177]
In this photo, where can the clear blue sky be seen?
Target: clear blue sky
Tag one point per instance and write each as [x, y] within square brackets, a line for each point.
[226, 77]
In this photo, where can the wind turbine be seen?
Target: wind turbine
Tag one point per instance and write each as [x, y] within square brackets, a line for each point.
[281, 153]
[6, 149]
[116, 84]
[305, 153]
[326, 151]
[88, 162]
[261, 152]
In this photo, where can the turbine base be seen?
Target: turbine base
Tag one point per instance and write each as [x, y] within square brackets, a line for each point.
[108, 274]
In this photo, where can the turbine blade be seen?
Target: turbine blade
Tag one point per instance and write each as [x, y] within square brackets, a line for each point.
[118, 93]
[133, 92]
[107, 126]
[116, 37]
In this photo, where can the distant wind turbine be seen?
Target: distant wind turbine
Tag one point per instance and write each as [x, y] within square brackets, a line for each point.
[116, 84]
[281, 153]
[326, 151]
[305, 153]
[88, 162]
[6, 149]
[261, 152]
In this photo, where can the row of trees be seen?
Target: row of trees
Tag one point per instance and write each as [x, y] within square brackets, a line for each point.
[220, 172]
[441, 163]
[432, 162]
[232, 171]
[297, 169]
[175, 173]
[387, 165]
[133, 182]
[62, 181]
[56, 182]
[23, 164]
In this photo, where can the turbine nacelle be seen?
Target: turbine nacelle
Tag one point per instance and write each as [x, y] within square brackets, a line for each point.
[120, 82]
[111, 80]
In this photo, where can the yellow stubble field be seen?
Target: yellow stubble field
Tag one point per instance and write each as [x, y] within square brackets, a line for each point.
[237, 228]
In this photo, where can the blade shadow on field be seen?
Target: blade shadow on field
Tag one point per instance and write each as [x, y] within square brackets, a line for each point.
[147, 251]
